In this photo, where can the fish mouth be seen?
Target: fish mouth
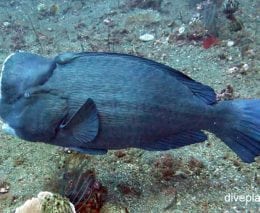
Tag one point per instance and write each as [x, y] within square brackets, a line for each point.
[8, 130]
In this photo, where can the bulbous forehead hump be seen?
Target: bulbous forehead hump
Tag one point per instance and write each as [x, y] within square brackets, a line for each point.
[24, 63]
[1, 74]
[22, 70]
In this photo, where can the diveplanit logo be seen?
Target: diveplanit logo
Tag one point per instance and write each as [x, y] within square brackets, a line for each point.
[243, 198]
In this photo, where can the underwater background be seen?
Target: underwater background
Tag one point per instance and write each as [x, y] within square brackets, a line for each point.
[215, 42]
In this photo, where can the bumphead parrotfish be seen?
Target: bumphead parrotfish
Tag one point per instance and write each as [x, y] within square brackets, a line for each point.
[92, 102]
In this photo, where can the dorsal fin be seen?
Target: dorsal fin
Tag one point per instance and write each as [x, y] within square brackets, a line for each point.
[203, 92]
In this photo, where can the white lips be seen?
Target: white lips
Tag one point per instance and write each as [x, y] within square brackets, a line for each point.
[5, 127]
[8, 130]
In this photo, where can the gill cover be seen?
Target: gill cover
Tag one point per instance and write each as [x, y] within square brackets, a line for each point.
[37, 117]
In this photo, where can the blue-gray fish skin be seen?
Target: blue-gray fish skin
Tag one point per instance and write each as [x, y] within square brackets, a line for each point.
[93, 102]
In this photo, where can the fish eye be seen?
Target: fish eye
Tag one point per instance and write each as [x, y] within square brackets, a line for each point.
[27, 94]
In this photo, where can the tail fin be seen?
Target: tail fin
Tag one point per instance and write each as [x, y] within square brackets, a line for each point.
[242, 129]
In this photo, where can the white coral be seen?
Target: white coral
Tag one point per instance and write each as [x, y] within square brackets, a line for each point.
[34, 205]
[30, 206]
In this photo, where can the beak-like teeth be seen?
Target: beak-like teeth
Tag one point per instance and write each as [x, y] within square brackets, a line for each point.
[8, 130]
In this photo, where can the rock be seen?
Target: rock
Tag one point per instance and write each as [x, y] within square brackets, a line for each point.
[181, 30]
[244, 67]
[233, 70]
[6, 24]
[145, 4]
[230, 43]
[139, 19]
[42, 8]
[4, 187]
[3, 190]
[113, 208]
[146, 37]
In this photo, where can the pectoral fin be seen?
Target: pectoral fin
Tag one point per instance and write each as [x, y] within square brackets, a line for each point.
[83, 125]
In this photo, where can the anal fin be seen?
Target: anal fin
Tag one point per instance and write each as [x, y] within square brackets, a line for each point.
[89, 151]
[176, 141]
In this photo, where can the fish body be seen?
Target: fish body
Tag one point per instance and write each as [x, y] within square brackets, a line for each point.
[93, 102]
